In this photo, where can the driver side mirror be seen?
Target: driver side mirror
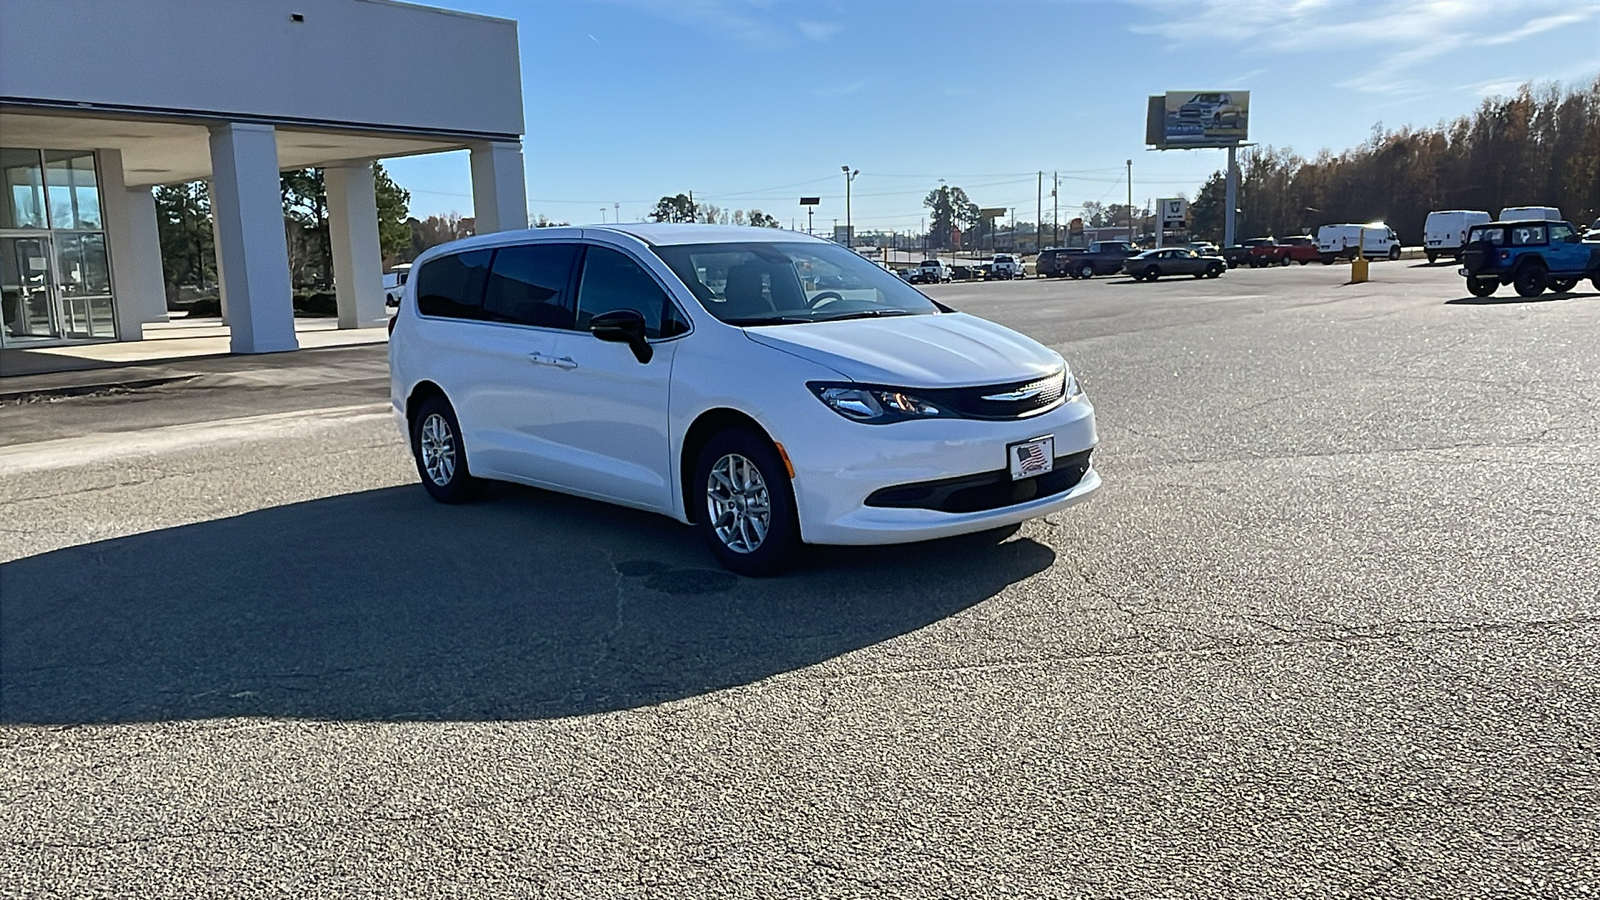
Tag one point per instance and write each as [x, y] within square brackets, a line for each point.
[1574, 239]
[623, 326]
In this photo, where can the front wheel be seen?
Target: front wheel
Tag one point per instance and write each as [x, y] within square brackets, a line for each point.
[746, 504]
[1213, 270]
[1151, 273]
[1283, 261]
[1394, 252]
[1482, 287]
[441, 457]
[1531, 281]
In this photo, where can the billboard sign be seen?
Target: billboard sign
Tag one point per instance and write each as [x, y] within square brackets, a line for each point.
[1198, 119]
[810, 201]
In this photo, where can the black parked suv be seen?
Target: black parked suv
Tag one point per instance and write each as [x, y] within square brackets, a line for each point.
[1531, 256]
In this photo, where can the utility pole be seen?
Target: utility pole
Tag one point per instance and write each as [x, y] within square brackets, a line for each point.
[849, 176]
[616, 208]
[1130, 201]
[1055, 201]
[1038, 215]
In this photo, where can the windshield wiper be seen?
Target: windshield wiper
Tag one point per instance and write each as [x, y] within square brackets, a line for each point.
[742, 321]
[866, 314]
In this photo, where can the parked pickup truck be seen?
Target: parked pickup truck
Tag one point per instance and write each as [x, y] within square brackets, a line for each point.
[930, 271]
[1102, 258]
[1004, 267]
[1302, 248]
[1531, 255]
[1055, 262]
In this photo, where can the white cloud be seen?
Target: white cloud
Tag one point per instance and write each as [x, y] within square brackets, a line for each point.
[1385, 47]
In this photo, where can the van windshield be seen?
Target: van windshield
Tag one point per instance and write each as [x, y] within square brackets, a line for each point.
[783, 284]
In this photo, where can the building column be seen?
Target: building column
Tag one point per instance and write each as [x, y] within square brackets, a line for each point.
[499, 192]
[216, 252]
[138, 288]
[248, 209]
[353, 232]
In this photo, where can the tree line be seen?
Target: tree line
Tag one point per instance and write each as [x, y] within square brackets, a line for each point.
[683, 208]
[1539, 147]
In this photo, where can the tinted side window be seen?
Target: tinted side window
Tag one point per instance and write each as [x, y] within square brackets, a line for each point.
[1527, 235]
[452, 286]
[611, 281]
[528, 285]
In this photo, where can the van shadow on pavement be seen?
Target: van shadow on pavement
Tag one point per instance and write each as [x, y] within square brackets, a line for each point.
[385, 606]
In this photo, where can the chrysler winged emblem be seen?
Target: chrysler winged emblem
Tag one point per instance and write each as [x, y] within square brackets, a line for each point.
[1027, 393]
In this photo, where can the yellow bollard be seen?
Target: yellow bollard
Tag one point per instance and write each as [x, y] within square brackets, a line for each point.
[1358, 266]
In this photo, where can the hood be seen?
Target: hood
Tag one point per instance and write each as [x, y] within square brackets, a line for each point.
[947, 350]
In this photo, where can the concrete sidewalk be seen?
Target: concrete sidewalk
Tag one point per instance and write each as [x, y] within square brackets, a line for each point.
[173, 351]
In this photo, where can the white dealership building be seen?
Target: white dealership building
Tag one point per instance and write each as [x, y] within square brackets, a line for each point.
[102, 100]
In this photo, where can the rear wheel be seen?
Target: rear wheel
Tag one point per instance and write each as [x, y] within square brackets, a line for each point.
[1482, 287]
[1283, 261]
[1151, 273]
[1562, 285]
[441, 458]
[1213, 270]
[746, 504]
[1086, 271]
[1531, 280]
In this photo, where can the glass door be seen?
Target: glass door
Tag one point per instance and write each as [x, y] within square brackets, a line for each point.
[29, 306]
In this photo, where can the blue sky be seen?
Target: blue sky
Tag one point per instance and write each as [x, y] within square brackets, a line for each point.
[750, 103]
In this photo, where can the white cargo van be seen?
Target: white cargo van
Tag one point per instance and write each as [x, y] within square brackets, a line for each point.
[1445, 231]
[1530, 214]
[1339, 241]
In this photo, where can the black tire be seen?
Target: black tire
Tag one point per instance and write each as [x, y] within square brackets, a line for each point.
[1213, 270]
[1595, 281]
[1562, 285]
[1482, 287]
[1305, 262]
[1151, 273]
[1284, 261]
[1394, 252]
[1086, 270]
[773, 551]
[1327, 259]
[1531, 280]
[1432, 257]
[442, 463]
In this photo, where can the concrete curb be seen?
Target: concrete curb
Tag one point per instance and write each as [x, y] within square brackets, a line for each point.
[32, 395]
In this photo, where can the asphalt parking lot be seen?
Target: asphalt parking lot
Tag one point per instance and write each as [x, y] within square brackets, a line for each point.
[1328, 630]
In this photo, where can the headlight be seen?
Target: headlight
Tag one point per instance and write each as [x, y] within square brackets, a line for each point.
[1071, 390]
[874, 405]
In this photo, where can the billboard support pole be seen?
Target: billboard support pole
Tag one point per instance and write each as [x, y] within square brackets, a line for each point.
[1232, 198]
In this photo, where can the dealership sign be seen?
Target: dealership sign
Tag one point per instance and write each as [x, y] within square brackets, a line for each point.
[1180, 119]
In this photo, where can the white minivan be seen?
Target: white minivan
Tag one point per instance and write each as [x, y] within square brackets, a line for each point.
[1339, 241]
[770, 388]
[1445, 231]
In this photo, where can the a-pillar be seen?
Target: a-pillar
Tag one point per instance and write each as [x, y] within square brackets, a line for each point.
[138, 285]
[248, 208]
[499, 191]
[353, 232]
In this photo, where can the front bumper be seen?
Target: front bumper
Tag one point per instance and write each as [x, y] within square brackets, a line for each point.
[839, 464]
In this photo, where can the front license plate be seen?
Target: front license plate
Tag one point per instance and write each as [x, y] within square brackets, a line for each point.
[1032, 457]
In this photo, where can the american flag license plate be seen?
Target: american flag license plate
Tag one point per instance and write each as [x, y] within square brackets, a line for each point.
[1032, 457]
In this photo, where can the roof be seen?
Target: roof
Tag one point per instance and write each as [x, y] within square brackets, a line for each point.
[663, 233]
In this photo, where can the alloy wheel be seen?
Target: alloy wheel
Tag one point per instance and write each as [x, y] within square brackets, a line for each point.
[739, 503]
[438, 445]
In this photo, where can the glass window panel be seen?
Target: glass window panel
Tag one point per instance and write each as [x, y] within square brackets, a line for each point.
[102, 318]
[612, 281]
[73, 191]
[81, 261]
[452, 286]
[23, 182]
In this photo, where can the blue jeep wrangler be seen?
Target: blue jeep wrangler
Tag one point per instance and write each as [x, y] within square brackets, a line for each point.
[1530, 256]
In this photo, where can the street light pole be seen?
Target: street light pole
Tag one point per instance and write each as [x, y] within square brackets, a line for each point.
[1130, 201]
[849, 176]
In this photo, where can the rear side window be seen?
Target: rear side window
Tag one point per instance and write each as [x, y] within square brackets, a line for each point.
[611, 281]
[1527, 235]
[452, 286]
[528, 285]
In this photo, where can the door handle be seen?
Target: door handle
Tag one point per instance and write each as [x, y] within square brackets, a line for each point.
[565, 362]
[539, 359]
